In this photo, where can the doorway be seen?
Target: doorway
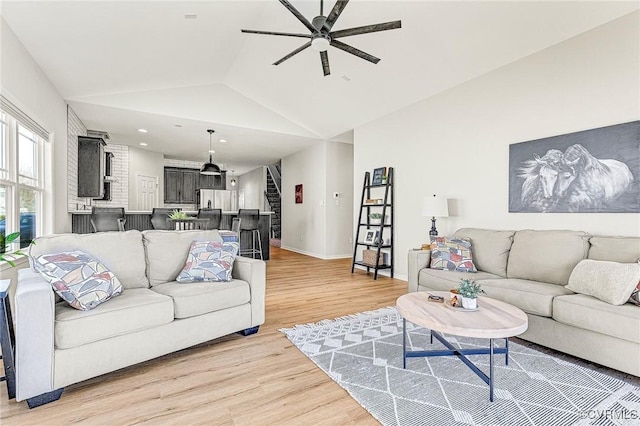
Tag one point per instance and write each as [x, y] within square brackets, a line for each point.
[147, 192]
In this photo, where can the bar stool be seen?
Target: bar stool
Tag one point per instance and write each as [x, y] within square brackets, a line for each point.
[214, 216]
[249, 224]
[107, 219]
[159, 216]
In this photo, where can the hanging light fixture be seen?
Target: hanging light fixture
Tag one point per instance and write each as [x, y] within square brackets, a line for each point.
[210, 168]
[233, 178]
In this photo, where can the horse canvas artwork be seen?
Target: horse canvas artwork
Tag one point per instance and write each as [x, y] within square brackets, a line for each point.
[593, 171]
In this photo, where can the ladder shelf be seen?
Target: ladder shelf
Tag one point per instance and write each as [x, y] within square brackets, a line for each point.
[385, 237]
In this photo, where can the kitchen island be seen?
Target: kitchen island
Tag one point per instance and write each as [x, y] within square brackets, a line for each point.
[141, 220]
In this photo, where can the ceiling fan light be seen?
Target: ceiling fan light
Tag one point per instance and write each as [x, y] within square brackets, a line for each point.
[320, 44]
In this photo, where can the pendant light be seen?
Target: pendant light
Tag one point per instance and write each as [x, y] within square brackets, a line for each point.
[233, 178]
[210, 168]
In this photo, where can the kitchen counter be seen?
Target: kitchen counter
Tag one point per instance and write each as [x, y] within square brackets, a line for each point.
[189, 212]
[141, 220]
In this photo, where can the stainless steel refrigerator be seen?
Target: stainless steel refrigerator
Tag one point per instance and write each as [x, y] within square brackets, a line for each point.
[215, 199]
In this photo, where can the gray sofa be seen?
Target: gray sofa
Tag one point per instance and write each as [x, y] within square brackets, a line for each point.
[529, 269]
[57, 345]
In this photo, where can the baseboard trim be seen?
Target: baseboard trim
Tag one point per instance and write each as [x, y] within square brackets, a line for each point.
[318, 255]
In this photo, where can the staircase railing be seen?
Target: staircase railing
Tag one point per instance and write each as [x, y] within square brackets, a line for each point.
[275, 176]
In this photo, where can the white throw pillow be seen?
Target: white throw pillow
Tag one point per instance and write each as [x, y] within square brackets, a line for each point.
[611, 282]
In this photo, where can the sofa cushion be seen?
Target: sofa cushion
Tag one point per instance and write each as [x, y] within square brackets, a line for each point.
[199, 298]
[490, 248]
[453, 254]
[533, 297]
[615, 249]
[546, 256]
[589, 313]
[167, 251]
[209, 261]
[134, 310]
[121, 252]
[438, 279]
[611, 282]
[79, 279]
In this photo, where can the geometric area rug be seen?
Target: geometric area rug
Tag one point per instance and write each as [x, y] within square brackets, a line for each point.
[363, 354]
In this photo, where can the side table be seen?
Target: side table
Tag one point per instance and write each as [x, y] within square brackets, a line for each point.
[7, 339]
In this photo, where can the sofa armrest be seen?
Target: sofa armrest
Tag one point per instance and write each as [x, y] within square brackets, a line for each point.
[253, 271]
[418, 259]
[34, 312]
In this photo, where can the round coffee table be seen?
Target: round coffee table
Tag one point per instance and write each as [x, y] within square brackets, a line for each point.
[493, 320]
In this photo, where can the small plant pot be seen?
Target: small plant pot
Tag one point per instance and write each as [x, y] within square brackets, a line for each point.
[375, 221]
[469, 303]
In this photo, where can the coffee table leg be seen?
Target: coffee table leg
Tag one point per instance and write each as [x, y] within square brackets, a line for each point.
[491, 370]
[404, 343]
[506, 355]
[431, 334]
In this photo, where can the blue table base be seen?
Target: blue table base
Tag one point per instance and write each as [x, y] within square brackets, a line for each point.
[460, 353]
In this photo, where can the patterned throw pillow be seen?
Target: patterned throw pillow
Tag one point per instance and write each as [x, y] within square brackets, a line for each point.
[453, 254]
[209, 261]
[79, 279]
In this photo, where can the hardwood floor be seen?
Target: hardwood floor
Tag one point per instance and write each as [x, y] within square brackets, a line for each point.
[257, 380]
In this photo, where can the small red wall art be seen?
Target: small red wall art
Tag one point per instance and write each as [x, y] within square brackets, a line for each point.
[299, 194]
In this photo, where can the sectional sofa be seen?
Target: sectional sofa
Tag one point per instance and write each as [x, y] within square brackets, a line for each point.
[57, 345]
[529, 269]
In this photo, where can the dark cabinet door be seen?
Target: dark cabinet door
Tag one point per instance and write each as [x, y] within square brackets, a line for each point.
[220, 182]
[90, 167]
[206, 182]
[189, 186]
[172, 183]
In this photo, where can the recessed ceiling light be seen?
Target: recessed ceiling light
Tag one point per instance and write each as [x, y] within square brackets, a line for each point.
[223, 140]
[143, 130]
[143, 144]
[190, 16]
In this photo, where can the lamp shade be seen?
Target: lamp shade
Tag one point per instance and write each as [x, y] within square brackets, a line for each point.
[435, 206]
[210, 168]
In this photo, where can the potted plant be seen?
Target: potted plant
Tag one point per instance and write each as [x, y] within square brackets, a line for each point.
[375, 218]
[178, 215]
[468, 291]
[6, 243]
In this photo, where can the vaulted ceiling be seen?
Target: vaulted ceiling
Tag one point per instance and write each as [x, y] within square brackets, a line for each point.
[142, 64]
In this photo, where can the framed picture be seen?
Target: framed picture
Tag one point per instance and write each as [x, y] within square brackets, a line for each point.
[371, 236]
[299, 194]
[377, 175]
[592, 171]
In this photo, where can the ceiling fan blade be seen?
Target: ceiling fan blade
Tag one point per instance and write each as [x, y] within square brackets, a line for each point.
[276, 33]
[324, 57]
[367, 29]
[298, 50]
[335, 14]
[298, 15]
[350, 49]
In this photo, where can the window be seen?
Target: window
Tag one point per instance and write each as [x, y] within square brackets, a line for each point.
[21, 186]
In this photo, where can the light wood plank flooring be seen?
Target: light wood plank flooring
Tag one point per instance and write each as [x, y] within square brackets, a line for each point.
[257, 380]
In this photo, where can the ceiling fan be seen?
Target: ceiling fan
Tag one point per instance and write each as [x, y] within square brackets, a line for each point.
[322, 37]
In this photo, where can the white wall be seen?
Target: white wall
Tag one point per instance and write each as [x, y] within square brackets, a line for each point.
[318, 227]
[456, 144]
[25, 85]
[254, 183]
[145, 163]
[340, 220]
[304, 225]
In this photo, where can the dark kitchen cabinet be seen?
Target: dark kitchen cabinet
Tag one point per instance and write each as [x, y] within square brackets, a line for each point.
[213, 182]
[91, 167]
[180, 185]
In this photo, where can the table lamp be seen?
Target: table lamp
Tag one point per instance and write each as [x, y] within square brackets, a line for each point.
[434, 206]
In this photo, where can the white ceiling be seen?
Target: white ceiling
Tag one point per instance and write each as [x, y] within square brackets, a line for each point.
[125, 65]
